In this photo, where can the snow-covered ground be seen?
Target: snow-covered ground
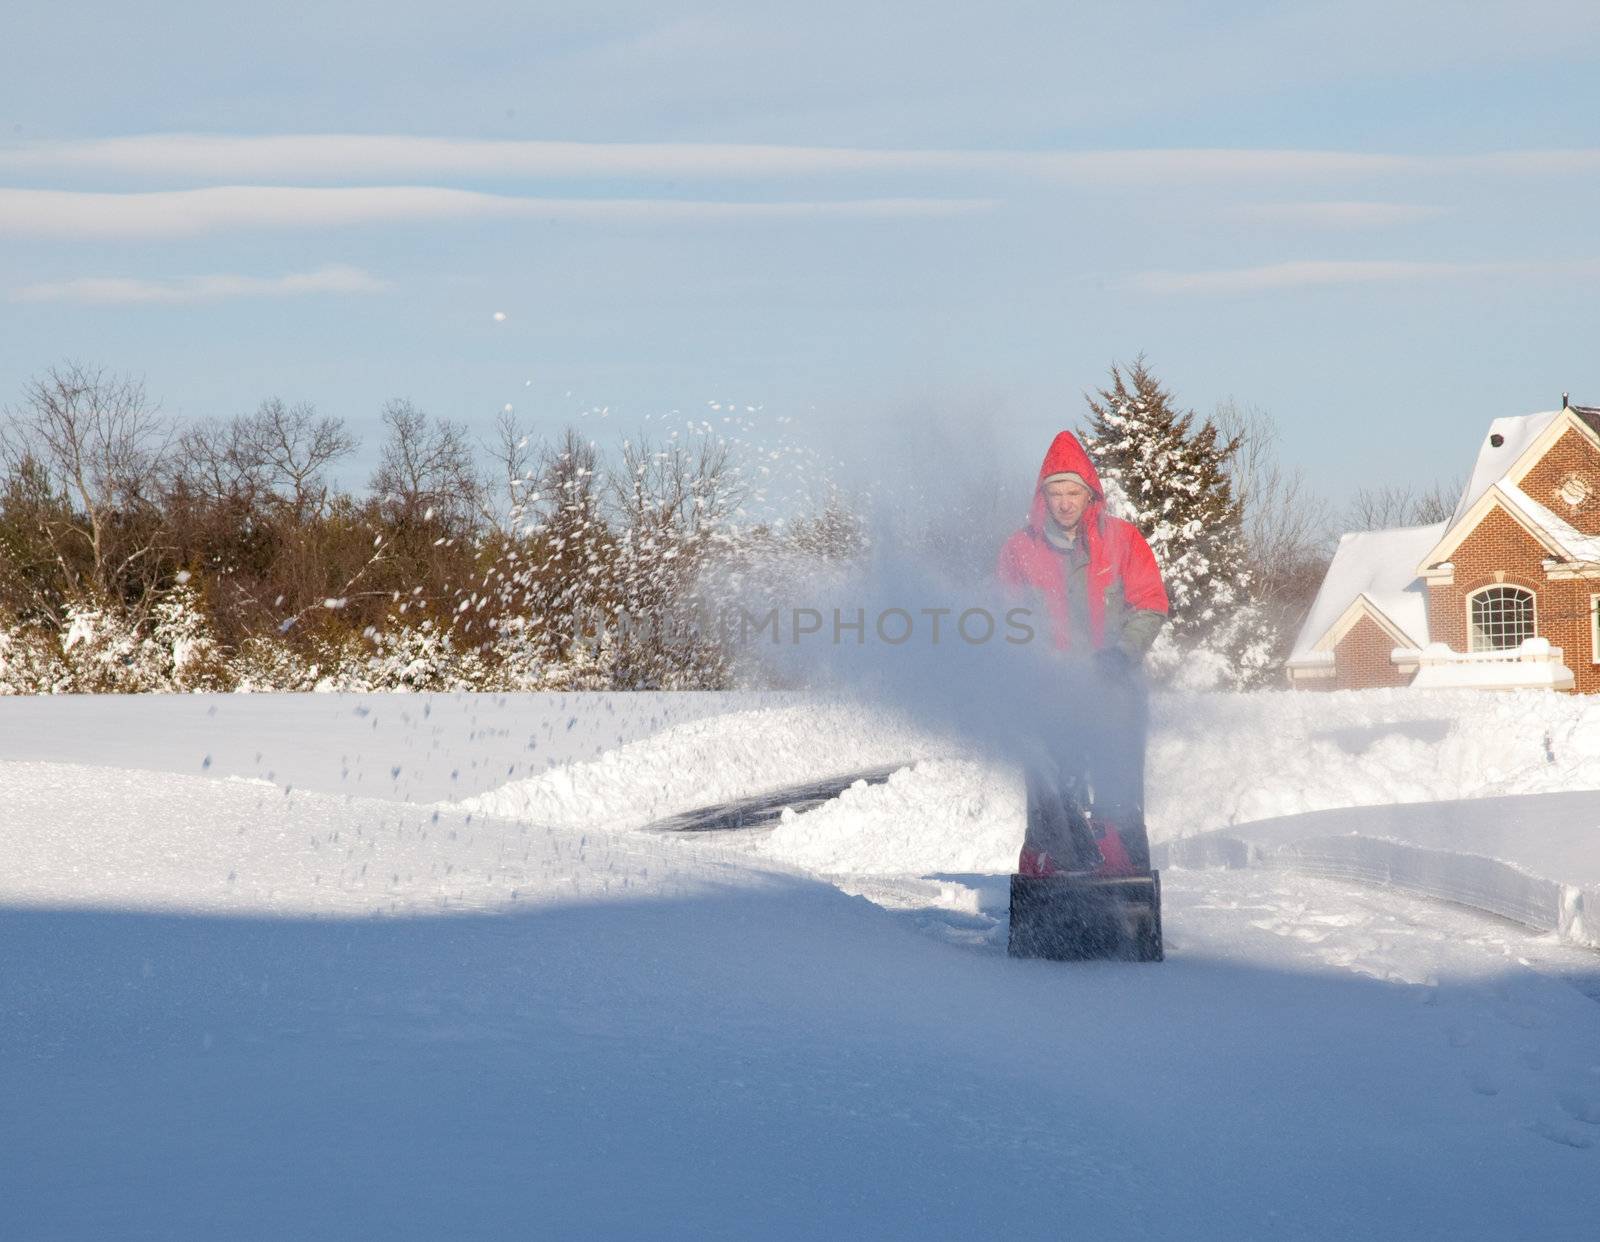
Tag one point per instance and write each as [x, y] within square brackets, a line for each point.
[398, 746]
[563, 1025]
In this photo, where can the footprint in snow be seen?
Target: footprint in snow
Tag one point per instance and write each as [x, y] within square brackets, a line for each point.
[1523, 1018]
[1581, 1104]
[1567, 1136]
[1482, 1081]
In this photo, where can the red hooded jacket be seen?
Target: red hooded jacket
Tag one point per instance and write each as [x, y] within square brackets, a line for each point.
[1117, 551]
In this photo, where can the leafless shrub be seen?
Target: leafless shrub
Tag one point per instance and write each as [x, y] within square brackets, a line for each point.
[86, 456]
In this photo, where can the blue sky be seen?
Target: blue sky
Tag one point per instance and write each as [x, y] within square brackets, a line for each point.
[1374, 220]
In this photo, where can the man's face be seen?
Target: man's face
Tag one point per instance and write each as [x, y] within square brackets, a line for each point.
[1067, 499]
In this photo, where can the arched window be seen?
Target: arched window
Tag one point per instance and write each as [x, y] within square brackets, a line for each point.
[1501, 617]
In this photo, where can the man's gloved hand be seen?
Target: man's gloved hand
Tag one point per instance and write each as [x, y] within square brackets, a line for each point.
[1113, 664]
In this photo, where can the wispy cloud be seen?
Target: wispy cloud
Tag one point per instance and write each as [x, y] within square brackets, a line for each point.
[121, 291]
[181, 213]
[1338, 215]
[341, 157]
[318, 157]
[1313, 272]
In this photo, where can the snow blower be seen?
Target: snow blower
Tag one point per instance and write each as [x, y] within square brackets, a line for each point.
[1079, 894]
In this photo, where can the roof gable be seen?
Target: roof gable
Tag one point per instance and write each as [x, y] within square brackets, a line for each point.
[1379, 566]
[1524, 440]
[1572, 543]
[1528, 513]
[1577, 420]
[1364, 606]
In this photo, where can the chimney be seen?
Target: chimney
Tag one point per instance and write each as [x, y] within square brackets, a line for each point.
[1565, 404]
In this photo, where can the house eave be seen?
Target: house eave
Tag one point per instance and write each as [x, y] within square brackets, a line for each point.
[1361, 606]
[1567, 571]
[1463, 530]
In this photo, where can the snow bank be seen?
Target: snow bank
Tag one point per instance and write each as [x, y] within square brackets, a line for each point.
[942, 815]
[706, 762]
[1217, 760]
[1400, 788]
[97, 838]
[1534, 859]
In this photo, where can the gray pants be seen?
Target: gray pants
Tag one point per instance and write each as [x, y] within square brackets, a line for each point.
[1089, 773]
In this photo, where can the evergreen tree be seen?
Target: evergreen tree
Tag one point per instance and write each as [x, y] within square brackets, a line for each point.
[1170, 479]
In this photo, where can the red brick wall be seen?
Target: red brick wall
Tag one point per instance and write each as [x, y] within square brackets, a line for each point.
[1361, 662]
[1500, 551]
[1572, 454]
[1447, 618]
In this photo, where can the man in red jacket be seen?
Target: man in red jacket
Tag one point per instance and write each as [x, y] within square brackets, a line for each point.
[1094, 584]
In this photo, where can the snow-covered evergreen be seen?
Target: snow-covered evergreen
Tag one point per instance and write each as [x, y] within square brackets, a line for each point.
[106, 649]
[1169, 478]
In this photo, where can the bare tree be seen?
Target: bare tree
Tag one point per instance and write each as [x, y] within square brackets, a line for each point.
[215, 466]
[292, 448]
[97, 453]
[279, 452]
[513, 454]
[426, 472]
[1438, 502]
[1287, 527]
[1390, 504]
[680, 490]
[565, 507]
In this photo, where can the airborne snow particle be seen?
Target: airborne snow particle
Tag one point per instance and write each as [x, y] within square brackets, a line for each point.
[499, 316]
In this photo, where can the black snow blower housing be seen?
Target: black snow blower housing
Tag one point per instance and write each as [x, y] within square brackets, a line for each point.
[1069, 918]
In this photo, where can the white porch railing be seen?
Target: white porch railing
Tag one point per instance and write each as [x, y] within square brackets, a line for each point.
[1535, 664]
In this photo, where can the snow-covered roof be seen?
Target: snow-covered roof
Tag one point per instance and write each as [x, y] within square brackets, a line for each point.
[1577, 545]
[1382, 566]
[1515, 435]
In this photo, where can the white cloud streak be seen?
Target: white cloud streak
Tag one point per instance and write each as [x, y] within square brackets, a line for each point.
[1310, 273]
[122, 291]
[185, 213]
[338, 157]
[1337, 215]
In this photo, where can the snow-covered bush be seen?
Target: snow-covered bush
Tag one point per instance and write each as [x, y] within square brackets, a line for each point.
[30, 663]
[264, 662]
[105, 650]
[586, 666]
[424, 656]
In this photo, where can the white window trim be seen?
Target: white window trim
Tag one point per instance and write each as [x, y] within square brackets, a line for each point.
[1496, 586]
[1594, 629]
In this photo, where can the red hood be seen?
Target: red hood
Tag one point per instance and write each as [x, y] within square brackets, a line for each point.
[1066, 454]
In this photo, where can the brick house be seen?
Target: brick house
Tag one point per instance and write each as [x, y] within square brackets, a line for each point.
[1505, 593]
